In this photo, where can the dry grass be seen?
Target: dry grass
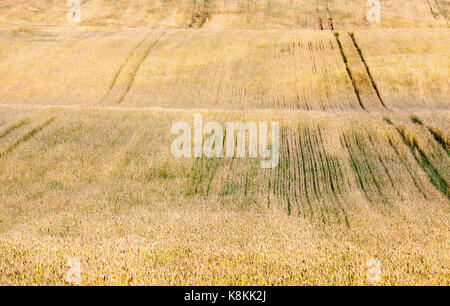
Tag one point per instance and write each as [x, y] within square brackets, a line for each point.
[411, 67]
[237, 69]
[86, 170]
[222, 14]
[115, 198]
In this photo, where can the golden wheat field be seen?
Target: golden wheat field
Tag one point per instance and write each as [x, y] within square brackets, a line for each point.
[87, 173]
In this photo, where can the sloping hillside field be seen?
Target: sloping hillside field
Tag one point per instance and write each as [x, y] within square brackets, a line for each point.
[357, 115]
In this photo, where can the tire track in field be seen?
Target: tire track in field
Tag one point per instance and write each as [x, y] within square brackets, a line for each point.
[323, 5]
[433, 13]
[436, 10]
[319, 18]
[441, 10]
[438, 136]
[13, 127]
[329, 16]
[119, 71]
[200, 14]
[423, 160]
[369, 74]
[30, 134]
[349, 72]
[125, 75]
[364, 84]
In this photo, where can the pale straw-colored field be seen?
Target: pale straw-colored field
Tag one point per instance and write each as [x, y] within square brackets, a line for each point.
[86, 170]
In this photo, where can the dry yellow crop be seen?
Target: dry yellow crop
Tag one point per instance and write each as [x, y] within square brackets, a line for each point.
[87, 175]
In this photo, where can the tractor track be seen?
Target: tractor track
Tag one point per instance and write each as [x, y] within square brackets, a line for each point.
[423, 160]
[13, 127]
[349, 72]
[325, 22]
[128, 69]
[119, 71]
[372, 81]
[30, 134]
